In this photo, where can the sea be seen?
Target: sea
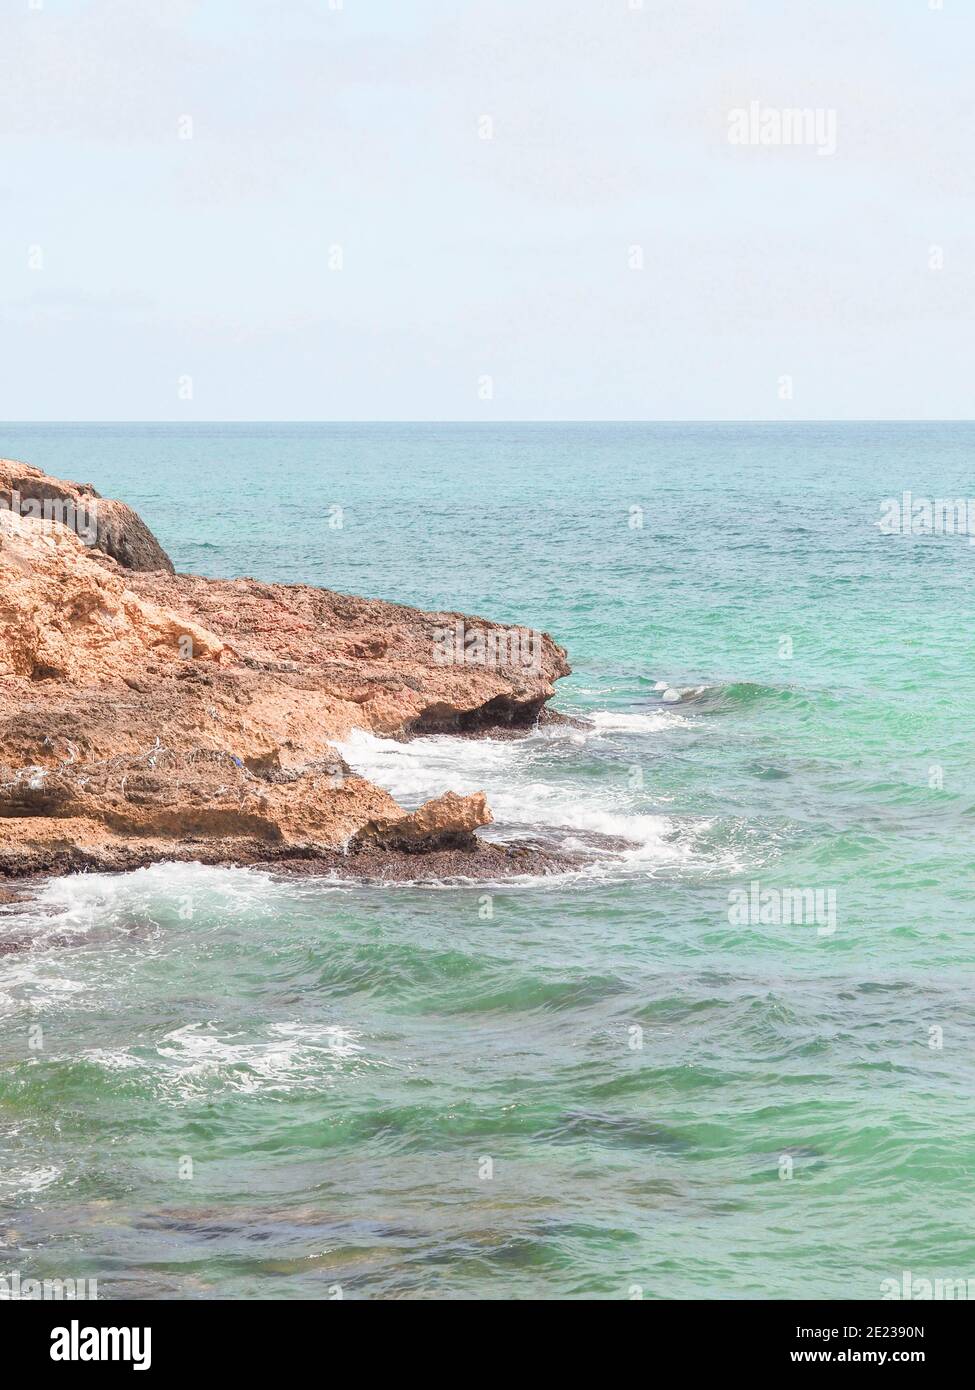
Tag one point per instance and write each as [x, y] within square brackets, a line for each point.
[730, 1054]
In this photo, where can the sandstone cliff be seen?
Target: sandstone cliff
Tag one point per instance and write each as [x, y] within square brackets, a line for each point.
[147, 715]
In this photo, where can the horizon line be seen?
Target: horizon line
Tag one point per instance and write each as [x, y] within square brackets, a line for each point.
[595, 420]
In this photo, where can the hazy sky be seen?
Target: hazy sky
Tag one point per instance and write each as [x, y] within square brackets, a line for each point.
[147, 275]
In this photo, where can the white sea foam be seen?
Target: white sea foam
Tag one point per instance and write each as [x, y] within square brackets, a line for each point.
[201, 1057]
[67, 912]
[23, 1182]
[642, 722]
[33, 987]
[532, 788]
[507, 770]
[679, 694]
[425, 767]
[77, 903]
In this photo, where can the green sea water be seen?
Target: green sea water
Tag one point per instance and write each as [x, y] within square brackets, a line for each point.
[223, 1083]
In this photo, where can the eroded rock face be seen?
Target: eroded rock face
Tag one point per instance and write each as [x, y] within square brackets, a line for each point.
[374, 665]
[148, 715]
[446, 822]
[112, 527]
[65, 617]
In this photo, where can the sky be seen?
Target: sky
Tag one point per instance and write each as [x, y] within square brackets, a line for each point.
[486, 210]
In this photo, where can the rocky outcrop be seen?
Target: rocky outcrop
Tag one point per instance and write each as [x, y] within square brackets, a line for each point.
[66, 618]
[367, 663]
[111, 527]
[447, 822]
[148, 715]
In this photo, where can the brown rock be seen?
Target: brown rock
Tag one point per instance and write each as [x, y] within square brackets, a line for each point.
[446, 822]
[112, 526]
[65, 617]
[148, 715]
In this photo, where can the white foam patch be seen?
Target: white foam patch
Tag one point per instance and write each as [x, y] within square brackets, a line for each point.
[201, 1058]
[506, 770]
[68, 912]
[74, 905]
[425, 767]
[645, 722]
[24, 1182]
[674, 694]
[32, 986]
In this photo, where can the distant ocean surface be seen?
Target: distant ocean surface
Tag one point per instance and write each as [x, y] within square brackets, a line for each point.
[602, 1085]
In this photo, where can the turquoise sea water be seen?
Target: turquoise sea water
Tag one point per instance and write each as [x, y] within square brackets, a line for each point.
[606, 1084]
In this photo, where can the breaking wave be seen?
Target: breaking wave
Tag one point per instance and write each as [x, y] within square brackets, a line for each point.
[530, 792]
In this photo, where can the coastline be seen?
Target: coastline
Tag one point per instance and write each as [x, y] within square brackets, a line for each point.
[150, 716]
[336, 1056]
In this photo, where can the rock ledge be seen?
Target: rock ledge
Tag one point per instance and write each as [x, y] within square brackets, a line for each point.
[146, 715]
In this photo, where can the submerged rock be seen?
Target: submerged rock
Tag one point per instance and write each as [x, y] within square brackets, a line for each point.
[482, 861]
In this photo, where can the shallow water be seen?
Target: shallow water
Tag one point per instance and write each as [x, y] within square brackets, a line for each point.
[248, 1085]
